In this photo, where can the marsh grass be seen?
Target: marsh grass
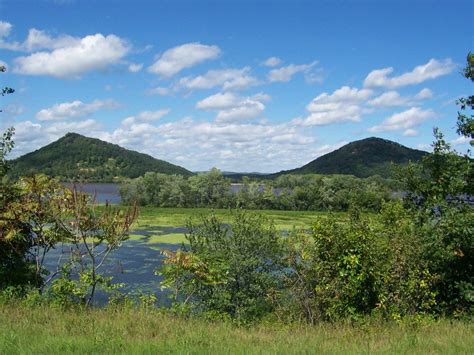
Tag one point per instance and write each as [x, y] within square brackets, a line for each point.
[155, 225]
[45, 330]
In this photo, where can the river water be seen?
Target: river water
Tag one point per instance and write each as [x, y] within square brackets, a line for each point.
[103, 192]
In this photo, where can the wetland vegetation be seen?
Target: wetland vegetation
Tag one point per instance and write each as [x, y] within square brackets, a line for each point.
[396, 277]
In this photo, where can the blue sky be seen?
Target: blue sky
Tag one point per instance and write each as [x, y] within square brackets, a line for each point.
[240, 85]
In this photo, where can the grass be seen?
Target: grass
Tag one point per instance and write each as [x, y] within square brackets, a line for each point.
[154, 223]
[25, 330]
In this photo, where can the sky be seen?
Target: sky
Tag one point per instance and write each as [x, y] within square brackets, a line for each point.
[246, 86]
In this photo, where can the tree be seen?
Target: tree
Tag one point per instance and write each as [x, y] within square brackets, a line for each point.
[438, 194]
[228, 272]
[6, 90]
[465, 122]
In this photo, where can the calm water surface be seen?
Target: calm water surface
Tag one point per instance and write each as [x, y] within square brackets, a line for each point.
[103, 192]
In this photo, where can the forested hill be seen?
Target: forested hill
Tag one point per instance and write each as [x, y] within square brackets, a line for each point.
[75, 157]
[363, 158]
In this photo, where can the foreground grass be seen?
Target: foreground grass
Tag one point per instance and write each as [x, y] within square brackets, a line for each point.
[25, 330]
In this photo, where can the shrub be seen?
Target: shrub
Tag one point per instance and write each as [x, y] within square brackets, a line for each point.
[227, 271]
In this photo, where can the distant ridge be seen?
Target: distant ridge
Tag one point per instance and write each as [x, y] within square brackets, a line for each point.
[363, 158]
[76, 157]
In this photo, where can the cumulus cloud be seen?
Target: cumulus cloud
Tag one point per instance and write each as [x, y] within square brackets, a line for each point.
[284, 74]
[460, 141]
[159, 90]
[404, 120]
[95, 52]
[410, 132]
[232, 107]
[199, 145]
[218, 101]
[178, 58]
[228, 79]
[431, 70]
[86, 126]
[143, 120]
[393, 99]
[343, 105]
[30, 135]
[5, 28]
[135, 67]
[272, 62]
[74, 109]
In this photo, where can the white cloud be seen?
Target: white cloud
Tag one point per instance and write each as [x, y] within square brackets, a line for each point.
[30, 136]
[143, 119]
[95, 52]
[153, 115]
[246, 109]
[328, 148]
[84, 127]
[460, 141]
[135, 67]
[424, 146]
[232, 107]
[393, 99]
[272, 62]
[194, 144]
[218, 101]
[74, 109]
[178, 58]
[410, 132]
[343, 105]
[13, 109]
[431, 70]
[228, 79]
[37, 40]
[5, 28]
[424, 94]
[284, 74]
[158, 91]
[404, 120]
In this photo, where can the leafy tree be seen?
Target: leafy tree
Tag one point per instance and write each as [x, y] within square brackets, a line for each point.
[465, 124]
[227, 271]
[6, 90]
[92, 234]
[438, 196]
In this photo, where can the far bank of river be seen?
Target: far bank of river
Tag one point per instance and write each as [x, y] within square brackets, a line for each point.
[110, 192]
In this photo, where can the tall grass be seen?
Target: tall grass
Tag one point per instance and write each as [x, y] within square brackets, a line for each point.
[46, 330]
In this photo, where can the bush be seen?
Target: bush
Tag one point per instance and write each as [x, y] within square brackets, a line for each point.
[227, 271]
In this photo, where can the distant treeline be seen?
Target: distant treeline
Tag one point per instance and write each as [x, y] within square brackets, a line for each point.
[287, 192]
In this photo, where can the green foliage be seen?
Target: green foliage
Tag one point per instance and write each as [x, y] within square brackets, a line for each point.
[287, 192]
[364, 158]
[34, 218]
[437, 200]
[6, 90]
[78, 158]
[227, 271]
[465, 123]
[348, 268]
[93, 236]
[333, 269]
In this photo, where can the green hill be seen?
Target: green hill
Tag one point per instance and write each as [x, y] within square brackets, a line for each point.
[75, 157]
[363, 158]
